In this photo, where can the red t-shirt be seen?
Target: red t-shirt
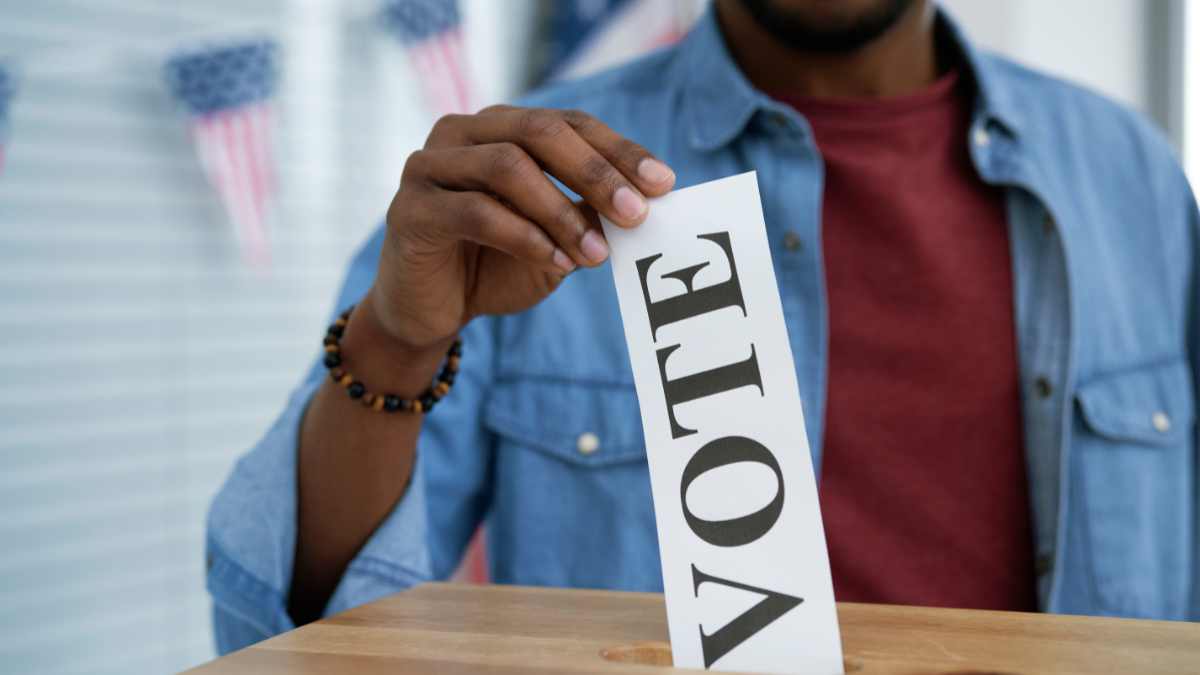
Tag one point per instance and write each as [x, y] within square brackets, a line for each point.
[923, 486]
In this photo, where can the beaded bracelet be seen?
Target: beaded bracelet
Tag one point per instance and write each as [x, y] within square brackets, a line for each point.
[387, 402]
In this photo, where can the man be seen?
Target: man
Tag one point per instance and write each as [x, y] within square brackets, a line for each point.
[989, 279]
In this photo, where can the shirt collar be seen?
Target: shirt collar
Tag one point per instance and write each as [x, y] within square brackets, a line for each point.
[719, 101]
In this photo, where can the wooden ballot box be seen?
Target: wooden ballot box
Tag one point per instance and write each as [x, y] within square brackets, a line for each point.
[452, 629]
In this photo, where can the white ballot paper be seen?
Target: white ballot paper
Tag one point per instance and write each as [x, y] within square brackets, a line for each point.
[744, 564]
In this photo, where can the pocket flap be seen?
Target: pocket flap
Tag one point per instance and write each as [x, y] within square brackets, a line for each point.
[589, 424]
[1153, 405]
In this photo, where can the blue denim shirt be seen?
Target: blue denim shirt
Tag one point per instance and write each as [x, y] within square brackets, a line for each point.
[1103, 229]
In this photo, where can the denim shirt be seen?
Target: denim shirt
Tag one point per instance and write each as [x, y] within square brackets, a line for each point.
[1103, 230]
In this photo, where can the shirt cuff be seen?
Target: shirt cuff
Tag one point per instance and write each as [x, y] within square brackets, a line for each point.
[252, 526]
[252, 535]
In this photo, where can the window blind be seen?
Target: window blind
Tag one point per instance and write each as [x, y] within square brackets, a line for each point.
[141, 356]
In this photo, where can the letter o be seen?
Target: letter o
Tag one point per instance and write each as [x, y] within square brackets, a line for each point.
[743, 529]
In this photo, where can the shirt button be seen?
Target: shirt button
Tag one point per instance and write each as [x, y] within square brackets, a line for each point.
[1048, 224]
[981, 137]
[792, 241]
[1043, 387]
[1160, 421]
[1043, 564]
[587, 443]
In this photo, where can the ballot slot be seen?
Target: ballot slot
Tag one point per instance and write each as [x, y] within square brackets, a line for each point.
[745, 570]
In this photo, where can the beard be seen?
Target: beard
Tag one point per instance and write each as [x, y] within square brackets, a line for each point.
[811, 30]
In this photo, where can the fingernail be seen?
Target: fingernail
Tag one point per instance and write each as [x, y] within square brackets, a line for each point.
[628, 203]
[654, 171]
[563, 262]
[593, 247]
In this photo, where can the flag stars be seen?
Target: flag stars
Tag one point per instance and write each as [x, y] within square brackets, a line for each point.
[219, 78]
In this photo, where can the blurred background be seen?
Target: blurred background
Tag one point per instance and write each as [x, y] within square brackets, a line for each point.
[169, 250]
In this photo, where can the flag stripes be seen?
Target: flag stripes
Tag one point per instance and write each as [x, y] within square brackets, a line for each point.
[431, 30]
[234, 150]
[440, 63]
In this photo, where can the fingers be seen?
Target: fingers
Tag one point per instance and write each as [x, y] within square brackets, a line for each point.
[651, 175]
[482, 219]
[508, 172]
[612, 174]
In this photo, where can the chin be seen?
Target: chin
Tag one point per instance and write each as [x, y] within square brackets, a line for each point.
[827, 25]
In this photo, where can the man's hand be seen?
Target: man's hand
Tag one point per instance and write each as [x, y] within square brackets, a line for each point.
[477, 226]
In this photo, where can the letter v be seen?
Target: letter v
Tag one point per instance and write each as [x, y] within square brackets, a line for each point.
[771, 607]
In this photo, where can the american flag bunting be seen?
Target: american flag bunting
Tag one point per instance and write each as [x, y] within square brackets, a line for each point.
[431, 31]
[227, 91]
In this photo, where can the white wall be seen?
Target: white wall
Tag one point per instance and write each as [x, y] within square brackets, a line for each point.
[1191, 90]
[500, 37]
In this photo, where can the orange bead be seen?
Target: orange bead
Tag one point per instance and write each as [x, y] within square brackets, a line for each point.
[346, 380]
[416, 406]
[378, 404]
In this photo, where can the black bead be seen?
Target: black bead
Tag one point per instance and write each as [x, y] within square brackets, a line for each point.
[446, 376]
[336, 330]
[392, 403]
[356, 389]
[427, 402]
[329, 340]
[332, 360]
[456, 348]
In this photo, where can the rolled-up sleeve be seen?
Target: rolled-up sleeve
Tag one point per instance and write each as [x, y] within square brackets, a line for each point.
[252, 523]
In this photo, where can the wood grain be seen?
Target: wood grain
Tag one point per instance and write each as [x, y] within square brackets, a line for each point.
[453, 629]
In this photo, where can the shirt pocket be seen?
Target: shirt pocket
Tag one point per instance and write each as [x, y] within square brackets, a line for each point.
[571, 502]
[1151, 406]
[1135, 460]
[581, 424]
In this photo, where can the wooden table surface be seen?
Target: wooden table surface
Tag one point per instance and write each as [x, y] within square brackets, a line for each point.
[451, 629]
